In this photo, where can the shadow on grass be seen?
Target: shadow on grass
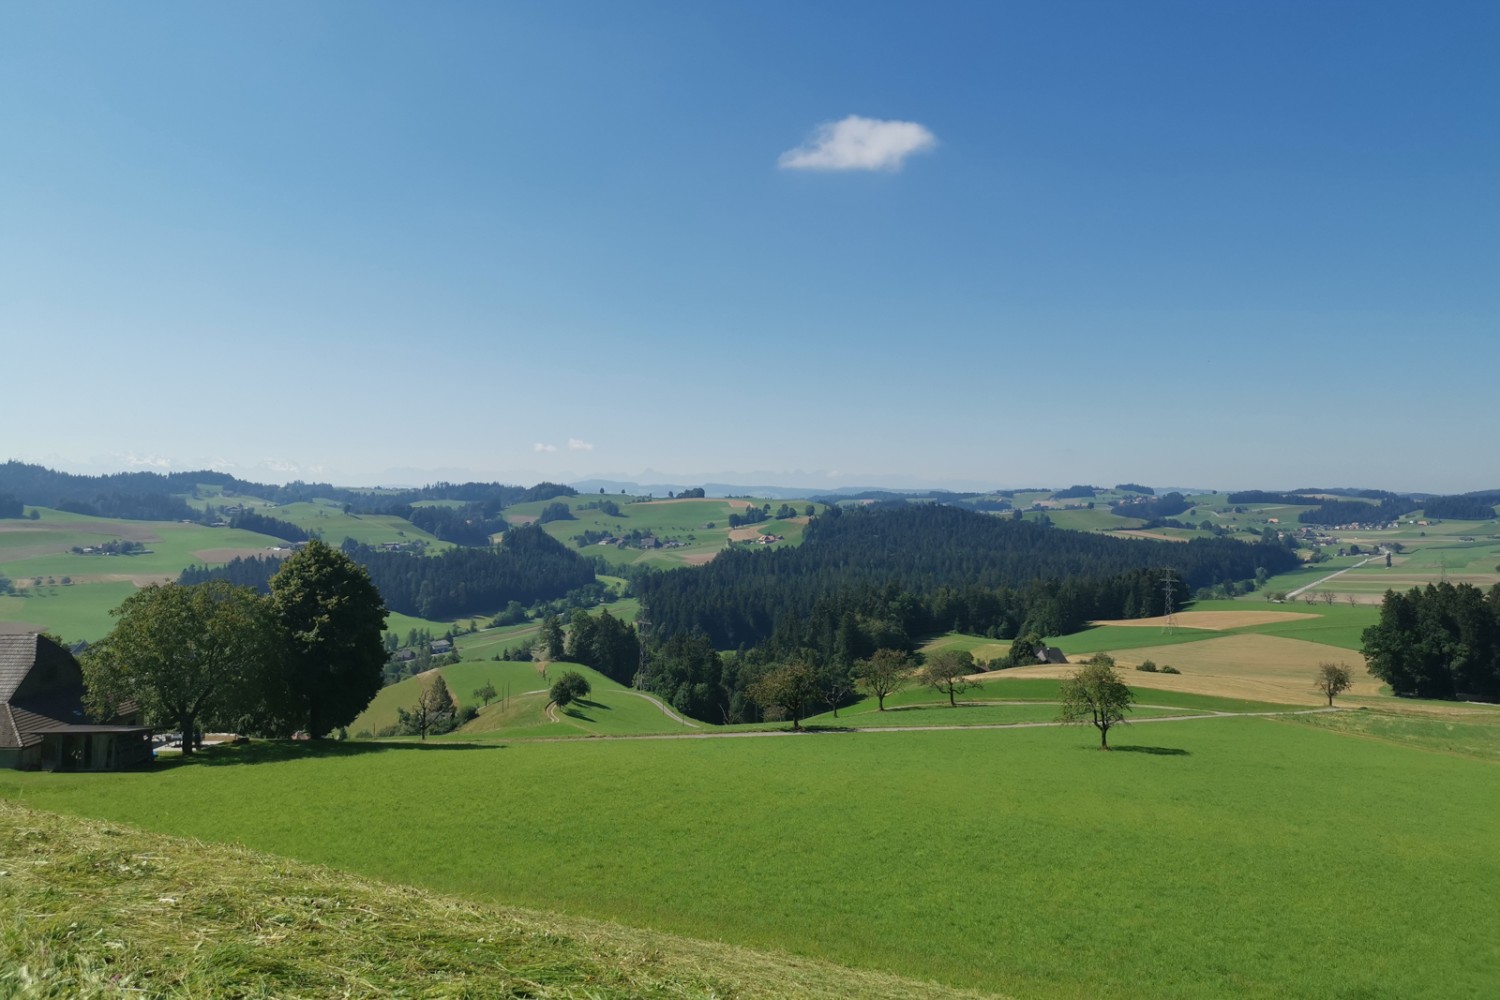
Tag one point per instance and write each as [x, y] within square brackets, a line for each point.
[574, 713]
[276, 751]
[593, 704]
[1157, 751]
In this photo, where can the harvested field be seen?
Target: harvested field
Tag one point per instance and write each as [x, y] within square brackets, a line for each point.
[18, 628]
[699, 558]
[749, 534]
[1254, 667]
[1137, 533]
[1214, 621]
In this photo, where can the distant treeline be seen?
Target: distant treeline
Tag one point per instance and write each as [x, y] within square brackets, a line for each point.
[1153, 508]
[1261, 496]
[910, 554]
[1441, 641]
[11, 507]
[156, 496]
[1134, 488]
[249, 520]
[530, 567]
[472, 524]
[1076, 493]
[1465, 508]
[1355, 512]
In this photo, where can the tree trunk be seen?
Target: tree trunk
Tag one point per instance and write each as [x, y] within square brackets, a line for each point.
[951, 702]
[1103, 737]
[881, 698]
[186, 723]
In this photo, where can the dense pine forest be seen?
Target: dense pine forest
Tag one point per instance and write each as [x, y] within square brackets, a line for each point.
[938, 565]
[530, 567]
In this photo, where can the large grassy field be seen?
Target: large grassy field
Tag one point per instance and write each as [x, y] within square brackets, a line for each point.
[686, 523]
[42, 550]
[1231, 856]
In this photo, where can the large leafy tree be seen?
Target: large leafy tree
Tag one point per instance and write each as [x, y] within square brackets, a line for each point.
[1095, 694]
[187, 656]
[790, 687]
[333, 617]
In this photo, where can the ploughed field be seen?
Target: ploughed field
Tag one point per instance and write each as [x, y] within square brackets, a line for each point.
[1286, 856]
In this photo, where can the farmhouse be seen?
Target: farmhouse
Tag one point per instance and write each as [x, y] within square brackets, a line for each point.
[1050, 654]
[43, 723]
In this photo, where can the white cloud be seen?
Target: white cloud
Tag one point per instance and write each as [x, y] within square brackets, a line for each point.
[543, 447]
[151, 461]
[859, 144]
[576, 445]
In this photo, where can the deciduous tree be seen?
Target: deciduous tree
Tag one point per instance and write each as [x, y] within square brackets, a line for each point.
[333, 618]
[570, 687]
[1096, 694]
[948, 671]
[434, 711]
[187, 656]
[884, 673]
[790, 687]
[1332, 679]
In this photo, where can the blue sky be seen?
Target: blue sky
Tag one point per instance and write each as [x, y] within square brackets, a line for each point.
[1229, 245]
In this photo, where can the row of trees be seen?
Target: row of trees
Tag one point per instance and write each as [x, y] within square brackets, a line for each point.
[1439, 641]
[306, 656]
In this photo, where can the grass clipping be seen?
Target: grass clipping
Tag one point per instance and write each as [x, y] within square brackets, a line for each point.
[92, 909]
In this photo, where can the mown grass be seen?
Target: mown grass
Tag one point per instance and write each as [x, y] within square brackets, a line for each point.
[1462, 731]
[101, 910]
[1201, 859]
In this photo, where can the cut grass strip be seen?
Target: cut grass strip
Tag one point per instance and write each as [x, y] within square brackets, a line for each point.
[97, 909]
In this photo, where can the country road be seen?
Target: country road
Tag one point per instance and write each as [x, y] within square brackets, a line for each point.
[1291, 595]
[840, 731]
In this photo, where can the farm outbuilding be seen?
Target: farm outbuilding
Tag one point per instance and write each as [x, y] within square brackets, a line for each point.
[43, 722]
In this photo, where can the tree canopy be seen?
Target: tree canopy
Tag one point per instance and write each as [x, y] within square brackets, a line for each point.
[333, 617]
[1095, 694]
[188, 657]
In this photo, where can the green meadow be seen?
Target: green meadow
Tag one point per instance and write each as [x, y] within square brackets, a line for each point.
[79, 609]
[680, 521]
[1228, 856]
[328, 519]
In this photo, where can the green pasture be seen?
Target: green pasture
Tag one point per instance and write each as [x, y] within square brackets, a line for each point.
[610, 710]
[682, 521]
[1222, 857]
[79, 612]
[328, 519]
[172, 547]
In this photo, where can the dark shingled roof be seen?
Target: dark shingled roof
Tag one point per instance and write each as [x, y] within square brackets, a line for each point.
[41, 690]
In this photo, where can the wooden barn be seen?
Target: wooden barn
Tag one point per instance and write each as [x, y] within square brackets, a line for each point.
[43, 722]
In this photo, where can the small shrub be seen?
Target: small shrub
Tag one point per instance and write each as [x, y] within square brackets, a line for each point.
[363, 734]
[1170, 670]
[465, 714]
[388, 731]
[1149, 666]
